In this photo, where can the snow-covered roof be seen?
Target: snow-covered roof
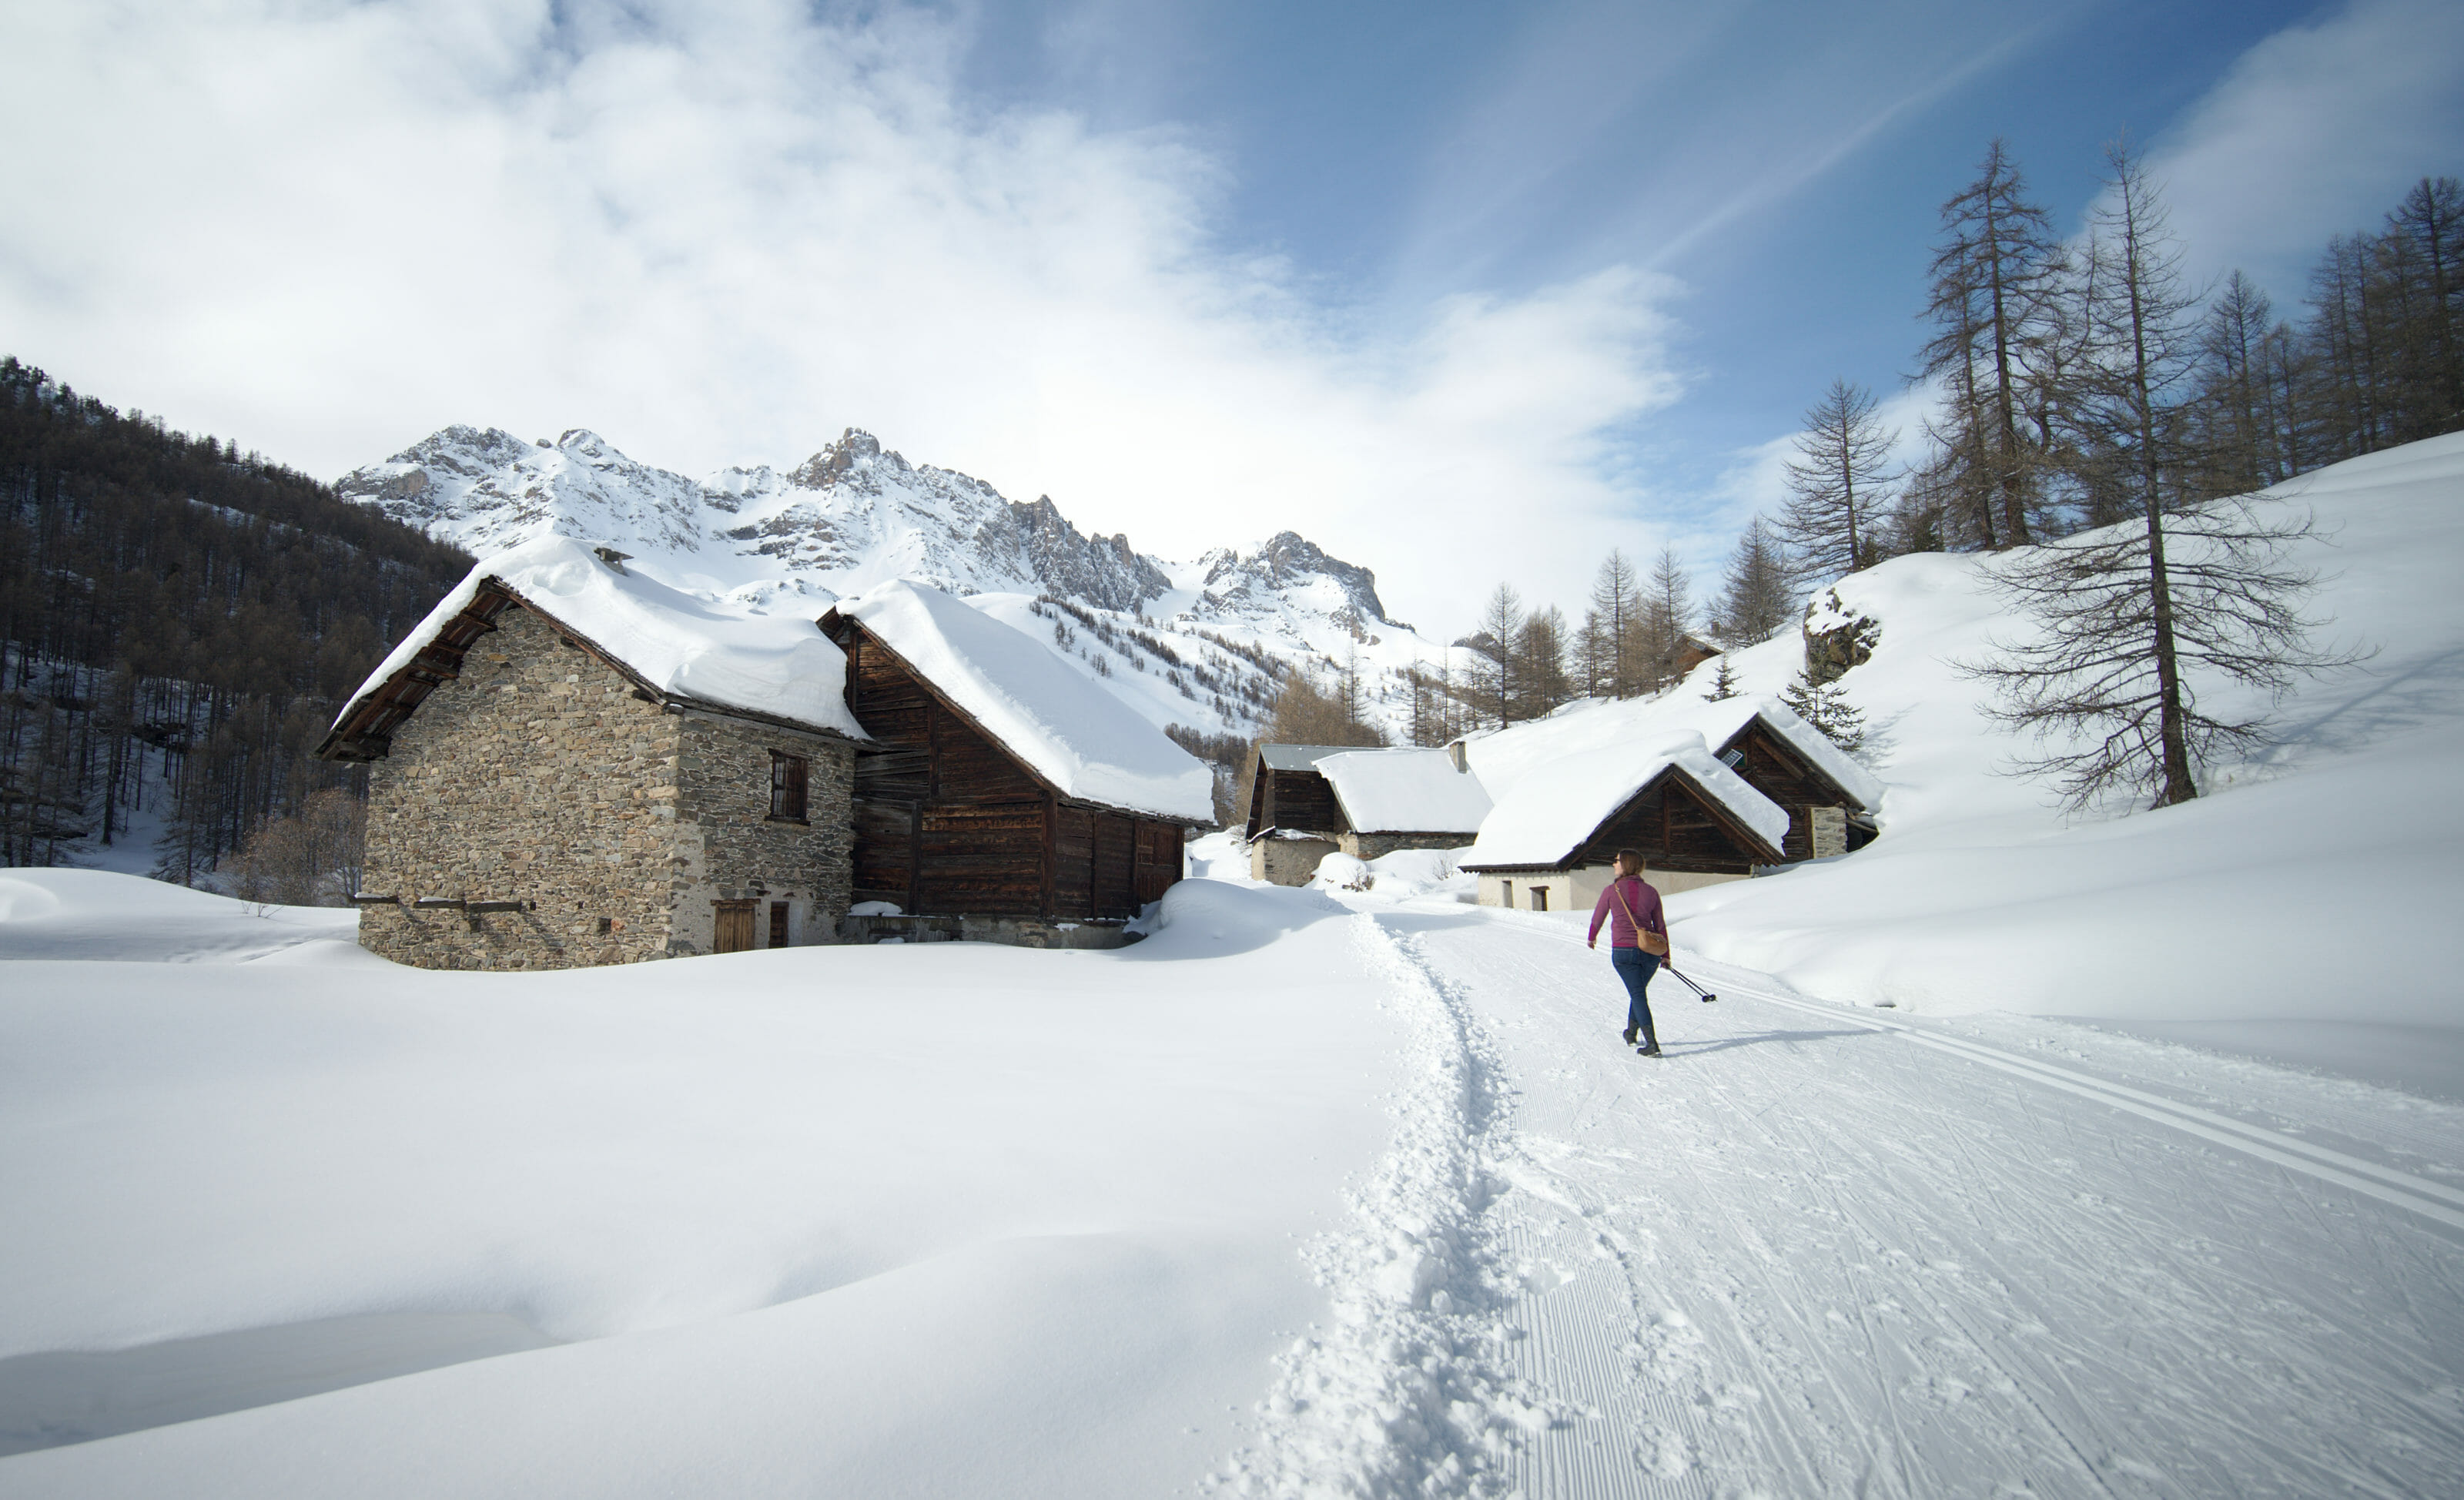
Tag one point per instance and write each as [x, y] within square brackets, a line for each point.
[1505, 757]
[1086, 743]
[778, 666]
[1404, 791]
[1545, 817]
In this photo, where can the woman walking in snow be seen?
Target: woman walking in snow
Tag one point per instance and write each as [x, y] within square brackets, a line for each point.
[1637, 940]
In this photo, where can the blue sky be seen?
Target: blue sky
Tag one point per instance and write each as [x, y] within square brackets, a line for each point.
[1558, 277]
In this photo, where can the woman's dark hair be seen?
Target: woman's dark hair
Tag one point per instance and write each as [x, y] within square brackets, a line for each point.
[1634, 854]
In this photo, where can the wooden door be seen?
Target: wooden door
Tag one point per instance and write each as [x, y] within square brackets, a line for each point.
[778, 924]
[735, 927]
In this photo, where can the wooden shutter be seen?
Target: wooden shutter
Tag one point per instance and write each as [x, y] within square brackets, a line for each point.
[778, 924]
[735, 927]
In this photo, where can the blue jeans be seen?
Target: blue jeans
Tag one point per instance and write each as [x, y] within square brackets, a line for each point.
[1636, 967]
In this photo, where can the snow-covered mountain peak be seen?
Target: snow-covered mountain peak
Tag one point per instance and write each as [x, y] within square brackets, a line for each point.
[856, 452]
[1283, 564]
[856, 514]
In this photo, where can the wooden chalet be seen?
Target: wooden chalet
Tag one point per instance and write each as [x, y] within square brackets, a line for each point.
[1552, 842]
[1831, 800]
[972, 799]
[1307, 800]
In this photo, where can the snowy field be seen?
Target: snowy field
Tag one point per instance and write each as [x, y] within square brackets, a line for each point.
[1308, 1194]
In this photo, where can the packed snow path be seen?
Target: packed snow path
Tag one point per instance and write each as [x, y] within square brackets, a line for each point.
[1815, 1250]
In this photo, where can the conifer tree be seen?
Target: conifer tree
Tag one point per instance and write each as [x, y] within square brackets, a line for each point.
[1615, 603]
[1825, 706]
[1754, 601]
[1723, 683]
[1836, 484]
[2119, 612]
[1993, 270]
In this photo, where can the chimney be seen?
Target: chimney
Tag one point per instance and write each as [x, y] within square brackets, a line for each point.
[1454, 753]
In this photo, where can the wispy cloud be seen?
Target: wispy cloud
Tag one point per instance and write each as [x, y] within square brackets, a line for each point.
[719, 232]
[2319, 129]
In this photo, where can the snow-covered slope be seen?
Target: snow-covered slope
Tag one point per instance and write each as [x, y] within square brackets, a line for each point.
[1181, 643]
[2316, 883]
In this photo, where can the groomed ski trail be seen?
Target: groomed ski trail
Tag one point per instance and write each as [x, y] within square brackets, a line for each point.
[1799, 1255]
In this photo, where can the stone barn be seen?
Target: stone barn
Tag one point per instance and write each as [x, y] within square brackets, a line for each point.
[1306, 801]
[1000, 793]
[1552, 842]
[571, 765]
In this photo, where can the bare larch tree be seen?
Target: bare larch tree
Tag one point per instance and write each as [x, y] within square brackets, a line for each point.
[1991, 272]
[2122, 613]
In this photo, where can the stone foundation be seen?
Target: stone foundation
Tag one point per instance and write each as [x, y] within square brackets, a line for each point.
[1372, 846]
[1286, 862]
[1577, 889]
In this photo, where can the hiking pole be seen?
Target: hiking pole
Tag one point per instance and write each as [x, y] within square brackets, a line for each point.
[1708, 996]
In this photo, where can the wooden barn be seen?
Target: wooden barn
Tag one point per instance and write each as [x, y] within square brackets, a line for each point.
[1306, 801]
[1830, 800]
[1001, 794]
[1552, 842]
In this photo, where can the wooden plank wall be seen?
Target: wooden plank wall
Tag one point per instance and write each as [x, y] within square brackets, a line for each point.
[947, 822]
[1303, 800]
[1675, 829]
[1774, 769]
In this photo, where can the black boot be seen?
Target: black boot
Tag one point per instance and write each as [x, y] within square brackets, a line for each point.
[1650, 1046]
[1629, 1036]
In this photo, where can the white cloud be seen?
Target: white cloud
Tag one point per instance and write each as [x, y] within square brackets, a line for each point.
[720, 233]
[2317, 130]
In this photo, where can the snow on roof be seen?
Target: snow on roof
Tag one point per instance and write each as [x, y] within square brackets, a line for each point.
[1543, 819]
[1088, 744]
[1505, 756]
[1405, 792]
[776, 666]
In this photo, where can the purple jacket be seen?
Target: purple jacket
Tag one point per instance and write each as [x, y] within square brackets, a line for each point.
[1646, 904]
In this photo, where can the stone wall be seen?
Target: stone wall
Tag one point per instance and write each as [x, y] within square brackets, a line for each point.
[1287, 861]
[535, 776]
[539, 776]
[1374, 846]
[728, 847]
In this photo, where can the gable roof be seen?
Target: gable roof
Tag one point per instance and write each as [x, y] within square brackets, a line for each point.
[682, 649]
[1083, 741]
[1404, 791]
[1543, 817]
[1298, 758]
[1505, 756]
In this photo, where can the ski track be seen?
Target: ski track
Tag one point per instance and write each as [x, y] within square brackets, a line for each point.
[1822, 1252]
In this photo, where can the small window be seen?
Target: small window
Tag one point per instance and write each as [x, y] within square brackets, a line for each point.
[1505, 888]
[788, 786]
[778, 924]
[1733, 758]
[1539, 898]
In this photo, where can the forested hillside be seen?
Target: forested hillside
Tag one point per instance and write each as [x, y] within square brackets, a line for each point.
[181, 620]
